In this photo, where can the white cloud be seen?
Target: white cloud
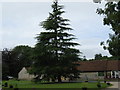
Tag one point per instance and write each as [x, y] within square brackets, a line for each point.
[21, 23]
[91, 51]
[91, 46]
[0, 26]
[46, 0]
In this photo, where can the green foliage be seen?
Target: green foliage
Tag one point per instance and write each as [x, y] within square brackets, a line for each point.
[15, 59]
[54, 53]
[112, 18]
[98, 56]
[23, 54]
[7, 63]
[100, 73]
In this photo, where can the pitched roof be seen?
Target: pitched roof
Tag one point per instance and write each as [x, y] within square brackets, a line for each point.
[99, 65]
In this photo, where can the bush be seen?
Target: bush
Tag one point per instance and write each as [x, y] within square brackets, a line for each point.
[84, 88]
[11, 86]
[99, 85]
[104, 81]
[108, 83]
[6, 84]
[16, 89]
[36, 80]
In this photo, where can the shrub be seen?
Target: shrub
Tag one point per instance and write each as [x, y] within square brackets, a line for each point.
[6, 84]
[108, 83]
[104, 81]
[99, 85]
[11, 86]
[84, 88]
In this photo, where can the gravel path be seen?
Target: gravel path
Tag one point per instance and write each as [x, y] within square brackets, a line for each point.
[116, 86]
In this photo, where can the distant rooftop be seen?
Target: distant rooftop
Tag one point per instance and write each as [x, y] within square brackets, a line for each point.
[99, 65]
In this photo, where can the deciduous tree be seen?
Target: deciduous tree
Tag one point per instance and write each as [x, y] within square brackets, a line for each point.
[111, 14]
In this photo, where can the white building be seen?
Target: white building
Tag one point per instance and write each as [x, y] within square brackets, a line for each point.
[24, 75]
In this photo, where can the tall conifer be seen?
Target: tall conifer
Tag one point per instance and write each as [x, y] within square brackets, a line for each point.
[55, 55]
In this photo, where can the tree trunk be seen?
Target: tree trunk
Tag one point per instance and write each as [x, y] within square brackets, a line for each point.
[59, 79]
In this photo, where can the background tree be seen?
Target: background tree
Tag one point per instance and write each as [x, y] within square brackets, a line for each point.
[84, 58]
[15, 59]
[98, 56]
[112, 18]
[54, 54]
[5, 63]
[23, 54]
[101, 57]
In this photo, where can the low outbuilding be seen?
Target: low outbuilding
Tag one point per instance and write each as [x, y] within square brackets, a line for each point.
[96, 69]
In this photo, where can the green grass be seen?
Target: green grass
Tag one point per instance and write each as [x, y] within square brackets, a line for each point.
[29, 84]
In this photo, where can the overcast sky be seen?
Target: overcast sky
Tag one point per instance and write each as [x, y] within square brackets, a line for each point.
[20, 24]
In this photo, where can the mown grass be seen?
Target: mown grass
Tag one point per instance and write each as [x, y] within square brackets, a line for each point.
[29, 84]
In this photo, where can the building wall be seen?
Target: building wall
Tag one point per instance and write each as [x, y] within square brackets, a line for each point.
[90, 76]
[24, 75]
[113, 74]
[119, 74]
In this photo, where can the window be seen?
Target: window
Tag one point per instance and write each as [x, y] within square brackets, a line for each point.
[100, 73]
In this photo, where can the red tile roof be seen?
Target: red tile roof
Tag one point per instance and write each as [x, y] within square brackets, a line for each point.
[99, 65]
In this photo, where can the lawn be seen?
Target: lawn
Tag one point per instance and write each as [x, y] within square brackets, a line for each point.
[29, 84]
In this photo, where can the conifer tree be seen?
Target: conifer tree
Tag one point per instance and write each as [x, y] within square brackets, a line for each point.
[55, 55]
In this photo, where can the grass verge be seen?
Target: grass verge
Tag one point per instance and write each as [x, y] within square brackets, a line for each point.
[29, 84]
